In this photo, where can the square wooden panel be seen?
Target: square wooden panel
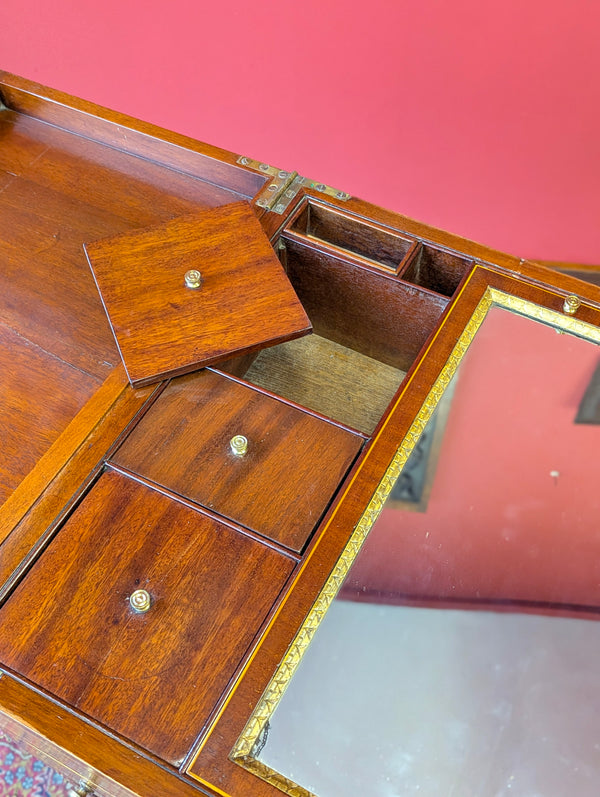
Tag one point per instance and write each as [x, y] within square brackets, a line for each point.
[162, 326]
[282, 485]
[153, 677]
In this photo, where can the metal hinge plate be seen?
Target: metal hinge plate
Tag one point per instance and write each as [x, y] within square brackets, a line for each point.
[283, 186]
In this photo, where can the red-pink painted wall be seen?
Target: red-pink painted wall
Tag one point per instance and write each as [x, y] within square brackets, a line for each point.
[514, 507]
[477, 117]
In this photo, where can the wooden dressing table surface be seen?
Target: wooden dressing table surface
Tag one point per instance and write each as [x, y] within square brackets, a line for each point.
[213, 372]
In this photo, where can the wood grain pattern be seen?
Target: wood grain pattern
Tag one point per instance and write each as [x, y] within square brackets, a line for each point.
[59, 192]
[371, 312]
[48, 295]
[61, 475]
[358, 236]
[30, 427]
[436, 269]
[118, 131]
[154, 677]
[54, 459]
[62, 187]
[183, 445]
[165, 328]
[135, 189]
[328, 378]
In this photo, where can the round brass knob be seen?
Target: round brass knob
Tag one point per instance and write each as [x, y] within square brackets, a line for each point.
[140, 601]
[193, 278]
[571, 304]
[239, 445]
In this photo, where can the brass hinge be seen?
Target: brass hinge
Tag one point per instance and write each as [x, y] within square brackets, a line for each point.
[283, 186]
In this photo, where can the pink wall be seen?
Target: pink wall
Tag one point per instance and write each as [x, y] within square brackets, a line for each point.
[477, 117]
[498, 524]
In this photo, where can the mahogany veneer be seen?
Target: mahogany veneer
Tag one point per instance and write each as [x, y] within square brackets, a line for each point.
[165, 328]
[27, 433]
[152, 677]
[113, 489]
[183, 444]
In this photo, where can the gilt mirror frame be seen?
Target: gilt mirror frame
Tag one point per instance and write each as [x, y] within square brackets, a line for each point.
[252, 699]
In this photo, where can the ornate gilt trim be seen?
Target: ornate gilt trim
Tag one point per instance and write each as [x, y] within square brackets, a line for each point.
[566, 323]
[244, 751]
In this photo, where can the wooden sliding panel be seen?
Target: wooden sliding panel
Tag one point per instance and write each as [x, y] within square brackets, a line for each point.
[279, 487]
[154, 676]
[39, 395]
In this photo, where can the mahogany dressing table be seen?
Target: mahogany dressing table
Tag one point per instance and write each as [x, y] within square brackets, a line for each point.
[213, 374]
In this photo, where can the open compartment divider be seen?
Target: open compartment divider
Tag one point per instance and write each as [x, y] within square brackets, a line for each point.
[369, 327]
[347, 235]
[436, 269]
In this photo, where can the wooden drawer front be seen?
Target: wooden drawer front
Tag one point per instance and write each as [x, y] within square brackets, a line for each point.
[153, 677]
[279, 488]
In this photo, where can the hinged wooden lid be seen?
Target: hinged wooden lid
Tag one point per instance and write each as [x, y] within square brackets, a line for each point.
[164, 326]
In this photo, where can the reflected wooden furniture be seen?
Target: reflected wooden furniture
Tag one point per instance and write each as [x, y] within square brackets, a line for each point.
[110, 489]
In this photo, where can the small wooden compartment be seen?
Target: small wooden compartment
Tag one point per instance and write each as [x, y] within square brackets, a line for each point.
[279, 487]
[156, 676]
[436, 269]
[369, 327]
[376, 244]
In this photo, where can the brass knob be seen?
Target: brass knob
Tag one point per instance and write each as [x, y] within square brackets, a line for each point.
[571, 304]
[140, 601]
[239, 445]
[193, 278]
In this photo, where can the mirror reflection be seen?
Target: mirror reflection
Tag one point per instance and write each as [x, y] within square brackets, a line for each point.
[460, 656]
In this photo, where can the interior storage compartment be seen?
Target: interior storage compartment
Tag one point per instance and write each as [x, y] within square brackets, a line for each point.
[376, 244]
[369, 327]
[436, 269]
[329, 378]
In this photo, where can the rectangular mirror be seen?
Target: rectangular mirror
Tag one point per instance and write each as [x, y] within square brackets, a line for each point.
[459, 655]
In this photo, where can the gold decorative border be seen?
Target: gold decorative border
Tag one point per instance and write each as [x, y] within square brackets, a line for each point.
[242, 753]
[553, 318]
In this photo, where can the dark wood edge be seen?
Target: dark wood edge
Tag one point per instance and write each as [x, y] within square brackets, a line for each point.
[213, 361]
[210, 764]
[288, 402]
[111, 128]
[223, 520]
[352, 260]
[59, 453]
[68, 484]
[80, 746]
[364, 211]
